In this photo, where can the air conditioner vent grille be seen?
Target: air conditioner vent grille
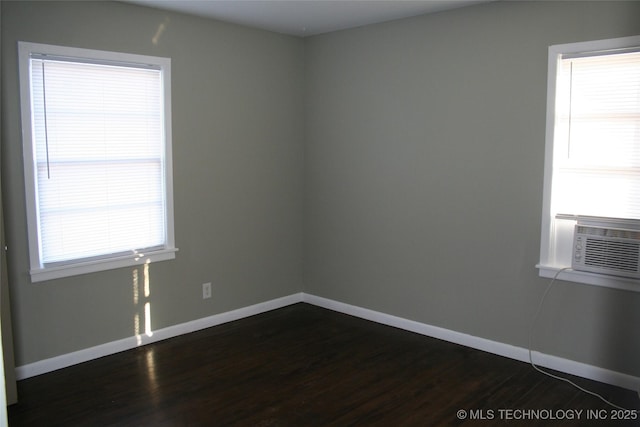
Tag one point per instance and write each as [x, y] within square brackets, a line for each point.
[608, 232]
[619, 256]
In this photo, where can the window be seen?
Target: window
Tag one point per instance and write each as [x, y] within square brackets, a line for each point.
[97, 159]
[592, 161]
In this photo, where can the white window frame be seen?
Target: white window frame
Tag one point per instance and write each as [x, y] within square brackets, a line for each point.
[38, 270]
[557, 240]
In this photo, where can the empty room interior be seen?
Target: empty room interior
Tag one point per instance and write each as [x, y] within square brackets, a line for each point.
[395, 174]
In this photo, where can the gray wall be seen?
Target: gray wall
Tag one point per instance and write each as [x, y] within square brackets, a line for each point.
[238, 161]
[424, 147]
[11, 391]
[412, 151]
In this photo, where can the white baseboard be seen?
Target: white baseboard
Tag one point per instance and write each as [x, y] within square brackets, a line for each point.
[65, 360]
[494, 347]
[518, 353]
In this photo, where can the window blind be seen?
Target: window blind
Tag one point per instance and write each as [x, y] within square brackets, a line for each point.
[99, 158]
[597, 134]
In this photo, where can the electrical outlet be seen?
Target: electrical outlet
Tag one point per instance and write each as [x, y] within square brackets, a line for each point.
[206, 290]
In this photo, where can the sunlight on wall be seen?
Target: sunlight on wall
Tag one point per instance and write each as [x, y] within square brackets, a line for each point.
[147, 305]
[136, 291]
[141, 303]
[163, 26]
[147, 319]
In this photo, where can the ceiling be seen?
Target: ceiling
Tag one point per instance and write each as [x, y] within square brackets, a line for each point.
[306, 17]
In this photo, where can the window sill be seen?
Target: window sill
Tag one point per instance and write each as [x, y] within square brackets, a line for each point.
[50, 273]
[622, 283]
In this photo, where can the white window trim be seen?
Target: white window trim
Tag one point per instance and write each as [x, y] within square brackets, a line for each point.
[38, 271]
[622, 283]
[547, 268]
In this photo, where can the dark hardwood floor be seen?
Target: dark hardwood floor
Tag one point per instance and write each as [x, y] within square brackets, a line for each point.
[305, 366]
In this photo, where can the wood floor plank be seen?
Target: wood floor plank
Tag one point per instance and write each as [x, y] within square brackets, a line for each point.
[302, 366]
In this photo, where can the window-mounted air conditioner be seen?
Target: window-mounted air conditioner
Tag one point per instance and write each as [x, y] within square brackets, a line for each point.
[601, 247]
